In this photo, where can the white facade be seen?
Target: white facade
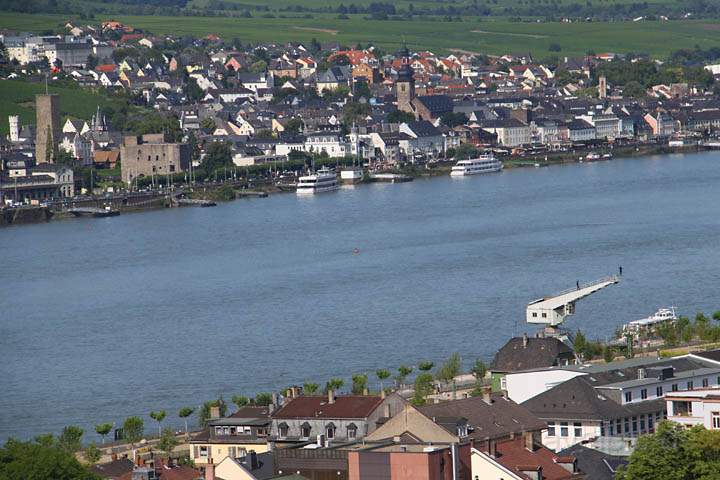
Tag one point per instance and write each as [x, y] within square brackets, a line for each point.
[330, 143]
[699, 407]
[523, 386]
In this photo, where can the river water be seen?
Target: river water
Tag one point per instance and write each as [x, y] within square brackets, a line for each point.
[105, 318]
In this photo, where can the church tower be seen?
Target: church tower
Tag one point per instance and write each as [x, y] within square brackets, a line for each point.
[405, 84]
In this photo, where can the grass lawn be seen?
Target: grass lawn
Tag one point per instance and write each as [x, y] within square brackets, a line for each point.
[486, 35]
[18, 98]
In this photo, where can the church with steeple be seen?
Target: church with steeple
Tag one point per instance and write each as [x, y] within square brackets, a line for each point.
[405, 83]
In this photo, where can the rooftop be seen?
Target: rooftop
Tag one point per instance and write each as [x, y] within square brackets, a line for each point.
[344, 406]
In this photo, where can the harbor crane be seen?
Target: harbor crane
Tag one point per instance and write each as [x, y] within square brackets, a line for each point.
[552, 311]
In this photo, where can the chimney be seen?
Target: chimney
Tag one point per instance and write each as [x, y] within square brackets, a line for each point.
[214, 412]
[331, 396]
[365, 391]
[529, 441]
[320, 440]
[382, 393]
[210, 470]
[642, 373]
[525, 340]
[492, 448]
[486, 395]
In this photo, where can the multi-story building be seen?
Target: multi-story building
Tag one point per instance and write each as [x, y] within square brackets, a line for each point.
[236, 436]
[510, 132]
[47, 127]
[151, 155]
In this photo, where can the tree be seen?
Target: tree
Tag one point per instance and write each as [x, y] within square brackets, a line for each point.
[399, 116]
[334, 384]
[450, 369]
[92, 454]
[465, 151]
[425, 366]
[259, 67]
[71, 438]
[479, 370]
[423, 388]
[382, 375]
[240, 400]
[310, 388]
[208, 124]
[580, 343]
[103, 429]
[403, 372]
[359, 383]
[40, 460]
[133, 431]
[158, 416]
[204, 414]
[217, 155]
[91, 62]
[608, 354]
[168, 441]
[453, 119]
[633, 89]
[184, 413]
[554, 47]
[193, 92]
[716, 316]
[294, 125]
[263, 398]
[671, 453]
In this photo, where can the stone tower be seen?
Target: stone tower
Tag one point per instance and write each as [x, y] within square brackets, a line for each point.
[14, 122]
[47, 127]
[602, 87]
[405, 84]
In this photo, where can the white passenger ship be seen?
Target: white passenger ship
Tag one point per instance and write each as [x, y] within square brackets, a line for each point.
[324, 180]
[473, 166]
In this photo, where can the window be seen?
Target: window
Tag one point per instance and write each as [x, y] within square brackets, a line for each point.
[634, 424]
[563, 429]
[705, 382]
[659, 391]
[715, 420]
[674, 387]
[628, 396]
[204, 451]
[551, 429]
[330, 431]
[690, 385]
[651, 428]
[618, 426]
[643, 394]
[305, 430]
[642, 423]
[577, 427]
[351, 433]
[283, 430]
[627, 425]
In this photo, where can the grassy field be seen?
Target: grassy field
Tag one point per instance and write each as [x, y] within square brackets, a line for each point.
[493, 36]
[17, 98]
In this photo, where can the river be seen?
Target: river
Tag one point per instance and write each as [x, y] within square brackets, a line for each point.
[106, 318]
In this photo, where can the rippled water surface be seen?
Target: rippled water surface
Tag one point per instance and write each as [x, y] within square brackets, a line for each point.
[104, 318]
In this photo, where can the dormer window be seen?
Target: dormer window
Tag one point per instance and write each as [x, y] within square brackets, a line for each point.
[283, 430]
[330, 431]
[305, 430]
[352, 431]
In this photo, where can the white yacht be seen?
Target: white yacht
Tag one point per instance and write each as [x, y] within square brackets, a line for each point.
[351, 175]
[661, 316]
[324, 180]
[473, 166]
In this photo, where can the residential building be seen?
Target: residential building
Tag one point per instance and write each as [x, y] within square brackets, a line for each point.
[338, 417]
[421, 138]
[431, 107]
[410, 461]
[661, 124]
[152, 155]
[333, 78]
[696, 407]
[235, 436]
[332, 143]
[37, 184]
[510, 132]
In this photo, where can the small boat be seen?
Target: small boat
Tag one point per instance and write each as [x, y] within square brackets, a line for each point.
[324, 180]
[607, 155]
[473, 166]
[592, 156]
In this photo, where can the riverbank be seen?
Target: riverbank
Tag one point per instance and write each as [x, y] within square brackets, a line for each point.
[223, 192]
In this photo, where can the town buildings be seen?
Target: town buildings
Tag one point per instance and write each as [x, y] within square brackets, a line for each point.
[152, 156]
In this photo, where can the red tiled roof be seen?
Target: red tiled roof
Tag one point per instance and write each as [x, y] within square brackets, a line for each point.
[347, 406]
[513, 455]
[180, 473]
[130, 36]
[108, 67]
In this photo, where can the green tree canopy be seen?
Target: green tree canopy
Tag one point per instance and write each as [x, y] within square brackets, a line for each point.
[92, 454]
[217, 155]
[204, 414]
[359, 383]
[40, 460]
[168, 441]
[425, 366]
[184, 413]
[310, 388]
[103, 429]
[450, 369]
[423, 388]
[240, 400]
[133, 429]
[263, 398]
[71, 438]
